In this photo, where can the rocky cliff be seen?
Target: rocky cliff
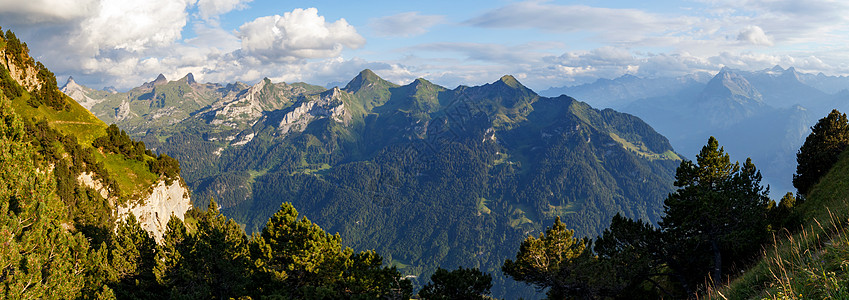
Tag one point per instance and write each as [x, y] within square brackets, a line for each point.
[154, 211]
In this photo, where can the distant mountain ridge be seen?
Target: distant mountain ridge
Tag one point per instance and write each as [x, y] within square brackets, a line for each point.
[764, 114]
[427, 176]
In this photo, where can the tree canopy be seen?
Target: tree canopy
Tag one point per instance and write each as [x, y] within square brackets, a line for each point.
[828, 138]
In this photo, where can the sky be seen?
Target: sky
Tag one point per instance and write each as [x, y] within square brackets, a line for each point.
[544, 44]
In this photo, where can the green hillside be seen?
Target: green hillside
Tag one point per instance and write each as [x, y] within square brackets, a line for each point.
[811, 262]
[427, 176]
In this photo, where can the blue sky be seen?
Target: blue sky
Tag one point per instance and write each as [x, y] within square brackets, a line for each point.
[543, 43]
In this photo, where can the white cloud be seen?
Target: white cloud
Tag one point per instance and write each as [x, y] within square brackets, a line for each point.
[405, 24]
[612, 24]
[40, 11]
[133, 25]
[213, 8]
[296, 35]
[754, 35]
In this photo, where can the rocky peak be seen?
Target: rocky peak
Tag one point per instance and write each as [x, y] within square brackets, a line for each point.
[190, 79]
[70, 85]
[160, 80]
[729, 84]
[79, 93]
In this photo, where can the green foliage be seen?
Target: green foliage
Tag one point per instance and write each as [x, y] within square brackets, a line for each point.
[717, 219]
[554, 261]
[39, 257]
[132, 257]
[295, 258]
[828, 138]
[117, 141]
[720, 208]
[165, 166]
[458, 284]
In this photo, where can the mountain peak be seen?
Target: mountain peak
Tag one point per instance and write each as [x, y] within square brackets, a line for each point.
[190, 78]
[728, 84]
[160, 79]
[364, 79]
[70, 83]
[511, 81]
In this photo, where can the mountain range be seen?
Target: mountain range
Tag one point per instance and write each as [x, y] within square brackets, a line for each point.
[764, 114]
[428, 176]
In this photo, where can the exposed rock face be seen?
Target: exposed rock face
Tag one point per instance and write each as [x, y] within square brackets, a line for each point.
[79, 93]
[26, 76]
[328, 105]
[154, 212]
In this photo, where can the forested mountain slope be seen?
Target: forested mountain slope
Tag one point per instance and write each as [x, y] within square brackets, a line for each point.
[427, 176]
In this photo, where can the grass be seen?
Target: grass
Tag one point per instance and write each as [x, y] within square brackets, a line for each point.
[76, 121]
[812, 263]
[398, 264]
[481, 206]
[519, 215]
[644, 151]
[559, 210]
[133, 177]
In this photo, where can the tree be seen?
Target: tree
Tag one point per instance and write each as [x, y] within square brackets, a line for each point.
[212, 262]
[295, 258]
[720, 209]
[39, 257]
[132, 257]
[555, 261]
[635, 253]
[458, 284]
[828, 138]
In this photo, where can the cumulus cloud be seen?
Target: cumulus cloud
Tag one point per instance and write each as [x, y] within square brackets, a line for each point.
[212, 8]
[134, 25]
[299, 34]
[405, 24]
[754, 35]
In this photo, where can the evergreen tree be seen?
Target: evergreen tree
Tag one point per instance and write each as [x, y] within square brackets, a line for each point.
[458, 284]
[555, 261]
[295, 258]
[211, 263]
[828, 138]
[720, 208]
[39, 257]
[132, 257]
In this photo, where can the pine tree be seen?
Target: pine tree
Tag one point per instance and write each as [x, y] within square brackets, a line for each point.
[295, 258]
[828, 138]
[555, 261]
[458, 284]
[720, 208]
[132, 257]
[39, 258]
[212, 262]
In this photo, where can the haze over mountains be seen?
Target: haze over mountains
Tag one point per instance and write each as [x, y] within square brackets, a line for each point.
[427, 176]
[764, 114]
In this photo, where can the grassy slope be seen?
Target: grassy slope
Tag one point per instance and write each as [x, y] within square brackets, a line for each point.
[812, 263]
[134, 178]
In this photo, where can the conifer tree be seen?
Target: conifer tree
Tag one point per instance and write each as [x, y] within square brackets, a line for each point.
[720, 208]
[132, 257]
[39, 258]
[828, 138]
[555, 261]
[458, 284]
